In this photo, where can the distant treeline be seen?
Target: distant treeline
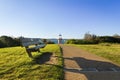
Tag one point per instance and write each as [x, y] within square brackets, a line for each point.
[6, 41]
[93, 39]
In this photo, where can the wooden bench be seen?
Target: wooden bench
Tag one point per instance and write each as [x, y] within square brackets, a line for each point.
[32, 45]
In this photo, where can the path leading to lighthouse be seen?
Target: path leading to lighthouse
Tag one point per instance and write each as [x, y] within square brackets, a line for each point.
[81, 65]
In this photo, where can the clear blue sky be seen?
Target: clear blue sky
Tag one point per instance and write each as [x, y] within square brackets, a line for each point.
[49, 18]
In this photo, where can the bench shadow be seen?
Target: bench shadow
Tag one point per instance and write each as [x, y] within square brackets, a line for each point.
[42, 59]
[87, 63]
[95, 70]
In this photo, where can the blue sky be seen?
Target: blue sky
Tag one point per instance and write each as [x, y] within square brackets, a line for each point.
[49, 18]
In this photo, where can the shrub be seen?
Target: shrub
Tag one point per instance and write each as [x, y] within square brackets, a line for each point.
[6, 41]
[105, 44]
[76, 41]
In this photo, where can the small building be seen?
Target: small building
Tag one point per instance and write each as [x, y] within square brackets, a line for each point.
[60, 39]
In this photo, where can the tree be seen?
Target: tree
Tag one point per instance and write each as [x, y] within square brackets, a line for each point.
[116, 35]
[7, 41]
[89, 36]
[45, 40]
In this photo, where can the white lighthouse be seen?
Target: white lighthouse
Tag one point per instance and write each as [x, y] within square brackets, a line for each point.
[60, 39]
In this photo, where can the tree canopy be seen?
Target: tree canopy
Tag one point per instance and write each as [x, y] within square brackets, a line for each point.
[6, 41]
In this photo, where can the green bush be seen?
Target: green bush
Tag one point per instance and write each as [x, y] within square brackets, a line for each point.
[6, 41]
[77, 41]
[105, 44]
[1, 44]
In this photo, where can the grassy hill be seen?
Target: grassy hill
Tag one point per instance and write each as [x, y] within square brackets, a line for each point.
[15, 64]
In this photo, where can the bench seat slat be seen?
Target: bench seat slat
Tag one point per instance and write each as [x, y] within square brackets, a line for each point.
[37, 47]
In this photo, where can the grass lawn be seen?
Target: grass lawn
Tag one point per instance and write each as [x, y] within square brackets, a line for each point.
[109, 51]
[15, 64]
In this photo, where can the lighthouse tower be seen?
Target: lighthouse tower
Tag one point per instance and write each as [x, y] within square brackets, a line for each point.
[60, 39]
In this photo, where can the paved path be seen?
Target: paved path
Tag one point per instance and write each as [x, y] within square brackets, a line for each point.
[81, 65]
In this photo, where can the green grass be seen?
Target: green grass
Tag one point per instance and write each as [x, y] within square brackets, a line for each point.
[111, 51]
[15, 64]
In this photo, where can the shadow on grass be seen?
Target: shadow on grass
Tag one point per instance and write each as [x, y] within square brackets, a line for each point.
[57, 69]
[42, 59]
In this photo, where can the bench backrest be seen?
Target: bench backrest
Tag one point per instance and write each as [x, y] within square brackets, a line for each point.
[31, 41]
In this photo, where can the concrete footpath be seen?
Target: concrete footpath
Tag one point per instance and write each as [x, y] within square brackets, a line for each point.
[81, 65]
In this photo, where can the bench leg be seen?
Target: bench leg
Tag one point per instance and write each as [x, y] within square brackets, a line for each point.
[29, 53]
[38, 50]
